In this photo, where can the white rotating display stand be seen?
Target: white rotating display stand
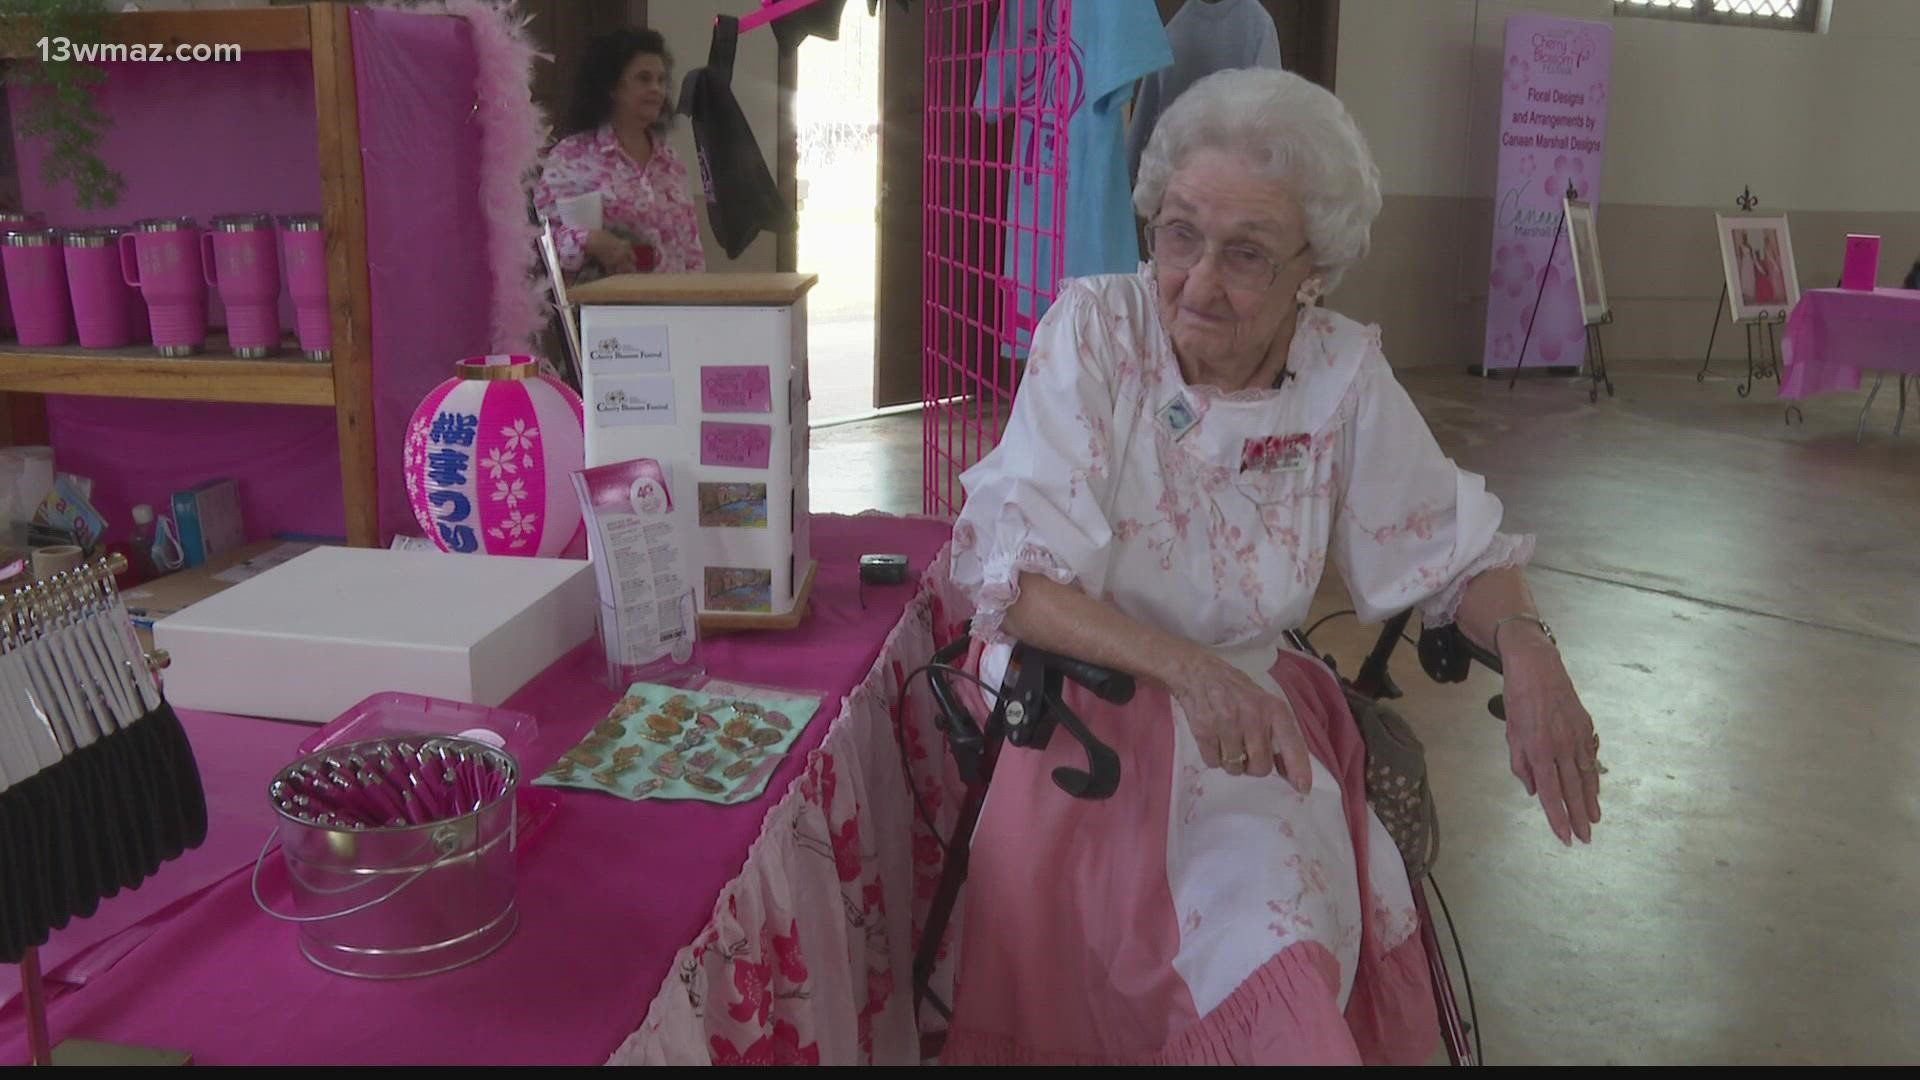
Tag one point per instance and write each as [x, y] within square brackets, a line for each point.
[707, 374]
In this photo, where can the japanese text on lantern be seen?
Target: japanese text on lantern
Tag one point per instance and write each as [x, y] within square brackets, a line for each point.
[452, 434]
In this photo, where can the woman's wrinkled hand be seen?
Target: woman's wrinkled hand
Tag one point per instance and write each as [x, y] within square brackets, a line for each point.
[1551, 742]
[1240, 726]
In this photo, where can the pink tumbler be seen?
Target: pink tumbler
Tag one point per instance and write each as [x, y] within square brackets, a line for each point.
[161, 258]
[242, 261]
[37, 286]
[15, 219]
[103, 302]
[305, 243]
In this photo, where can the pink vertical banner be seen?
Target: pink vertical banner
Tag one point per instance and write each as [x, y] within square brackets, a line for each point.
[1553, 123]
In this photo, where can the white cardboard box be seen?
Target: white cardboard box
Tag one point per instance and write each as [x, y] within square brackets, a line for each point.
[311, 638]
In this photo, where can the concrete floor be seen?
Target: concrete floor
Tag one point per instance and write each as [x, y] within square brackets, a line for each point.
[1739, 603]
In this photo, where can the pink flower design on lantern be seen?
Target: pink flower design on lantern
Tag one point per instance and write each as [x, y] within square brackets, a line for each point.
[519, 435]
[498, 464]
[516, 528]
[510, 492]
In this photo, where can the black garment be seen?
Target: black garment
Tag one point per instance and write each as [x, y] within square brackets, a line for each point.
[742, 200]
[821, 19]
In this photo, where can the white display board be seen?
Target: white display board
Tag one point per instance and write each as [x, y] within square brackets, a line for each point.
[717, 392]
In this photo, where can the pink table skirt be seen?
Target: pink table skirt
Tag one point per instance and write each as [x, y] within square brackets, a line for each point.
[778, 930]
[1835, 334]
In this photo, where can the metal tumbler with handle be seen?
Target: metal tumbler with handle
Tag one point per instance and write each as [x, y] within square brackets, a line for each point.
[161, 258]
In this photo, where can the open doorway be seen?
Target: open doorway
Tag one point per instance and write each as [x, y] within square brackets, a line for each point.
[837, 125]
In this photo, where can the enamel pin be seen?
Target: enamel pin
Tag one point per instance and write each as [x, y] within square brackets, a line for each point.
[1178, 415]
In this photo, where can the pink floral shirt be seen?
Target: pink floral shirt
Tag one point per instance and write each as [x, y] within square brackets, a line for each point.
[1214, 515]
[651, 204]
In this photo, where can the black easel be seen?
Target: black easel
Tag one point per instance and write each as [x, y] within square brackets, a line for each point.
[1746, 202]
[1596, 360]
[1763, 337]
[1521, 360]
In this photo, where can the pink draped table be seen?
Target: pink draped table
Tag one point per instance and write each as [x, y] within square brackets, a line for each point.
[779, 931]
[1835, 334]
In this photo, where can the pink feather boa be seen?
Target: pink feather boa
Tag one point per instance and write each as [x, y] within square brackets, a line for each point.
[513, 132]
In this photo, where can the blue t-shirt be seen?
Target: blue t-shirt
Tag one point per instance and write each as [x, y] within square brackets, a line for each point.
[1113, 43]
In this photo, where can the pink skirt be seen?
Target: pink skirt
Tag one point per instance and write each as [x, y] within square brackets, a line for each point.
[1193, 917]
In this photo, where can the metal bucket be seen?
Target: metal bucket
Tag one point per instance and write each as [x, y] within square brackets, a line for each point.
[401, 901]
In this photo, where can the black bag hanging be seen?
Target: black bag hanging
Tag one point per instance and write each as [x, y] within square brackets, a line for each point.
[820, 19]
[742, 200]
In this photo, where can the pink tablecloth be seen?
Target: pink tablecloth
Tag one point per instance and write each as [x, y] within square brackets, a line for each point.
[1835, 334]
[609, 891]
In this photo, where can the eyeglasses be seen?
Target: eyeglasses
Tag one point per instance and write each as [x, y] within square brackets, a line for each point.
[1179, 246]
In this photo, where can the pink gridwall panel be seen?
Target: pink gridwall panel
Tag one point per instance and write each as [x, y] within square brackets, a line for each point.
[993, 218]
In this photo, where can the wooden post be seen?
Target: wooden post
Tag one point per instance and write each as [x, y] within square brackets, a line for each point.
[343, 198]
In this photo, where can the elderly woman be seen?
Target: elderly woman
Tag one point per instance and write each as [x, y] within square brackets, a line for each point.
[1190, 449]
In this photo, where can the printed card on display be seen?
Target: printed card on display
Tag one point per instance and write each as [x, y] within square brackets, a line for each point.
[626, 342]
[639, 562]
[733, 506]
[625, 402]
[739, 588]
[737, 446]
[736, 389]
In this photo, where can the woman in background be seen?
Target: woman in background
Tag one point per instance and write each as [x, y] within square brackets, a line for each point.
[615, 149]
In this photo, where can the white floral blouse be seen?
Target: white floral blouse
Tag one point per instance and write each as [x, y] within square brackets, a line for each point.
[1213, 515]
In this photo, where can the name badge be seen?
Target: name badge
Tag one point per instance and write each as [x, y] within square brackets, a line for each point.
[1275, 453]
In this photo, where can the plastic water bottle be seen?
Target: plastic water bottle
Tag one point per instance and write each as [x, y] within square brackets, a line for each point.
[145, 532]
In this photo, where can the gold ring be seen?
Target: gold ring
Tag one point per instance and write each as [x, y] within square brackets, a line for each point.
[1236, 759]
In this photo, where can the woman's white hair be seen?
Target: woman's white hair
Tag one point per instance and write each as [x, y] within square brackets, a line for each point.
[1298, 132]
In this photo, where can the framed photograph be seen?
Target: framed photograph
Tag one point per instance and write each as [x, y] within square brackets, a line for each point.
[1757, 254]
[739, 588]
[1587, 276]
[733, 506]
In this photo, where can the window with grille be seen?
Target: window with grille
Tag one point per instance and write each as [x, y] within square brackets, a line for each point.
[1780, 14]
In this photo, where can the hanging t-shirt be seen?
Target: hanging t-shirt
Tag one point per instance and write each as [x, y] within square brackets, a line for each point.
[1111, 44]
[1207, 36]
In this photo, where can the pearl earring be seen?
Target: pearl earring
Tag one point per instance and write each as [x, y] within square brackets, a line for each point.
[1309, 292]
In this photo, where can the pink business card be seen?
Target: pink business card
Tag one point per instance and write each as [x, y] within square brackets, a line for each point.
[740, 446]
[736, 389]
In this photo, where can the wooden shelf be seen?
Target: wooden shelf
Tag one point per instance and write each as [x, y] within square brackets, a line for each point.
[264, 29]
[135, 372]
[678, 289]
